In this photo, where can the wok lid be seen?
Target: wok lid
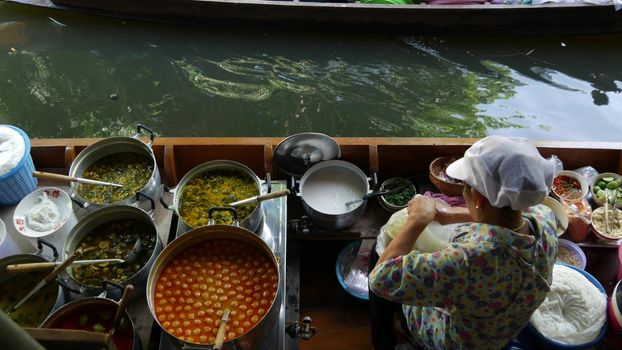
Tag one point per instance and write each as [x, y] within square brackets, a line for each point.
[297, 153]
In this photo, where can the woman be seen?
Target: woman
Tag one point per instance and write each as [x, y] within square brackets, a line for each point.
[480, 291]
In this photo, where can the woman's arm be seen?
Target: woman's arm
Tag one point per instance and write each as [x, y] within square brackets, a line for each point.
[421, 211]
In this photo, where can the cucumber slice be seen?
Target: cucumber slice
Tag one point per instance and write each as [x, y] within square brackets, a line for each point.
[608, 179]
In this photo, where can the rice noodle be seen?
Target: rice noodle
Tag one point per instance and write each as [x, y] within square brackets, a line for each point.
[44, 216]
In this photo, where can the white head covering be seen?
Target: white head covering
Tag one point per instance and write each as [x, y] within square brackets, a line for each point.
[507, 171]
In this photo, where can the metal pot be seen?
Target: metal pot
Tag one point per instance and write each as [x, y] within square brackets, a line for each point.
[30, 258]
[254, 336]
[112, 145]
[251, 222]
[101, 217]
[326, 188]
[91, 304]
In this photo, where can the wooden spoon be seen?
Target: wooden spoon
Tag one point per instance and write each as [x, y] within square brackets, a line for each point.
[125, 299]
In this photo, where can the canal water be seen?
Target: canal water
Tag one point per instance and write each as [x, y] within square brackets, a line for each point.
[64, 75]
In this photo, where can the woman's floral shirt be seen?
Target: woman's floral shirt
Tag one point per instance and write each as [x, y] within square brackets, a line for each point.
[479, 292]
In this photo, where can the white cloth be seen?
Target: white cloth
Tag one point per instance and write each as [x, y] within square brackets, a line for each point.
[507, 171]
[574, 310]
[12, 148]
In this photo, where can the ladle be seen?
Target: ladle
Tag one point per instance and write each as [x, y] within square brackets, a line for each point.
[260, 198]
[45, 281]
[375, 194]
[125, 299]
[129, 258]
[220, 336]
[66, 178]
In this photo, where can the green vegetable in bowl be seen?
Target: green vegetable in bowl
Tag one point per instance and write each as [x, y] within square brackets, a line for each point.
[400, 197]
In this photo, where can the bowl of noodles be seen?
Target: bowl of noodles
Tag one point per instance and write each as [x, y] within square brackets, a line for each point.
[43, 212]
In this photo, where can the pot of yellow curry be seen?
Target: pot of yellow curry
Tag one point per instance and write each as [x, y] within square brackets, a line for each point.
[217, 183]
[14, 286]
[113, 233]
[122, 160]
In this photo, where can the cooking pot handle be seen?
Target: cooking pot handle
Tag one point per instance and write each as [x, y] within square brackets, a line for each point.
[77, 201]
[373, 180]
[41, 243]
[151, 137]
[168, 190]
[138, 194]
[210, 215]
[295, 186]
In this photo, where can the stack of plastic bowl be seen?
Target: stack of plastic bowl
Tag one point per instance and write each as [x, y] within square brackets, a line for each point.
[17, 182]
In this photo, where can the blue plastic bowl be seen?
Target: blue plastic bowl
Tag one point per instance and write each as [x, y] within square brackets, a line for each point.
[345, 257]
[554, 344]
[575, 249]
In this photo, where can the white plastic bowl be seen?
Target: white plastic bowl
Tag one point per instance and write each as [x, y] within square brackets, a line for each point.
[57, 196]
[560, 213]
[585, 188]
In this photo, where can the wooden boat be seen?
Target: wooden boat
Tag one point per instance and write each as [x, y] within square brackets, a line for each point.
[551, 18]
[386, 157]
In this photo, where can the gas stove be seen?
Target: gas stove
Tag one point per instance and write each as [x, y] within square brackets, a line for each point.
[273, 231]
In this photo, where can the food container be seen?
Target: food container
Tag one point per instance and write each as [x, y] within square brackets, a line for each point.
[103, 224]
[96, 314]
[569, 186]
[571, 254]
[198, 247]
[614, 308]
[397, 200]
[8, 246]
[250, 222]
[615, 223]
[52, 211]
[351, 269]
[14, 286]
[326, 188]
[599, 187]
[438, 176]
[560, 214]
[547, 343]
[579, 224]
[120, 147]
[17, 182]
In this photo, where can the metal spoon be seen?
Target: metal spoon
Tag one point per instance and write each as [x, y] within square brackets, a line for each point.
[375, 194]
[66, 178]
[45, 281]
[129, 258]
[220, 336]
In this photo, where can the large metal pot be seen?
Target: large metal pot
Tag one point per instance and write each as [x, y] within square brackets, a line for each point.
[259, 332]
[102, 217]
[109, 146]
[251, 222]
[326, 188]
[90, 306]
[7, 277]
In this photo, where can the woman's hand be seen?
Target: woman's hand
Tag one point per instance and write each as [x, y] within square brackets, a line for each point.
[421, 210]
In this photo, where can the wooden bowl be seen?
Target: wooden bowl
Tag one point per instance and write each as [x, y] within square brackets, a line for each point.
[446, 187]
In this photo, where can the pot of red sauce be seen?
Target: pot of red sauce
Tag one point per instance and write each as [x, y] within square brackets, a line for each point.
[210, 269]
[95, 314]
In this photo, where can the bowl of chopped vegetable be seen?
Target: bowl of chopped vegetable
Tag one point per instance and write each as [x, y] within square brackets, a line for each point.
[607, 224]
[571, 254]
[569, 186]
[607, 183]
[438, 176]
[401, 191]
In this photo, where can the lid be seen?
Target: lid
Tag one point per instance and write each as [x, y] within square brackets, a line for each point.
[297, 153]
